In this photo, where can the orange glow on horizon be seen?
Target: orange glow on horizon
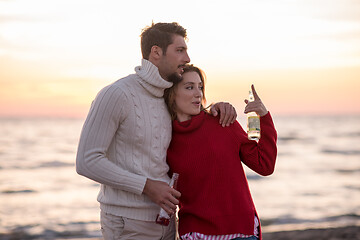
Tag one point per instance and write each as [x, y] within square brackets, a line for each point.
[302, 56]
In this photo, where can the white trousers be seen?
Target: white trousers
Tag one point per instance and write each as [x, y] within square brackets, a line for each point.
[121, 228]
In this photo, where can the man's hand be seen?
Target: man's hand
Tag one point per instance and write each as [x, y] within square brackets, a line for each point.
[227, 113]
[255, 106]
[162, 194]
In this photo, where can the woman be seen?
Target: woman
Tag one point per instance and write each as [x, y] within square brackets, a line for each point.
[215, 197]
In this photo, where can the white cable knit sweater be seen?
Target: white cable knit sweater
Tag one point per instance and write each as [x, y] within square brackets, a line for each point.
[124, 141]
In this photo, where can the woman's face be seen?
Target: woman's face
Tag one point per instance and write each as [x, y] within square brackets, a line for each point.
[188, 96]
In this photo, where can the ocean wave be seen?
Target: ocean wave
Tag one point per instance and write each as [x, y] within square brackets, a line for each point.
[340, 152]
[55, 164]
[21, 233]
[288, 219]
[356, 188]
[287, 139]
[52, 164]
[347, 171]
[291, 139]
[71, 230]
[17, 191]
[253, 177]
[348, 135]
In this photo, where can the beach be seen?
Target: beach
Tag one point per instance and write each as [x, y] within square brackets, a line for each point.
[315, 185]
[340, 233]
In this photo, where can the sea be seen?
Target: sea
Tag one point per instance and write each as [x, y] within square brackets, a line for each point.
[316, 182]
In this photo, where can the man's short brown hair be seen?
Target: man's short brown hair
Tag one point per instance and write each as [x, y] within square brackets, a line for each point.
[161, 35]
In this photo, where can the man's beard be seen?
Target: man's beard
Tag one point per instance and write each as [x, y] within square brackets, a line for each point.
[175, 78]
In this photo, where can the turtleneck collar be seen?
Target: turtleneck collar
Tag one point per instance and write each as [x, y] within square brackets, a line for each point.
[190, 125]
[151, 79]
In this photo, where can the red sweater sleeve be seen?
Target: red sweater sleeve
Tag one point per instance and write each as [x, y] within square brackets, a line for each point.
[261, 156]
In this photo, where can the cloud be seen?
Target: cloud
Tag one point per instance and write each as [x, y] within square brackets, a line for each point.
[336, 10]
[16, 18]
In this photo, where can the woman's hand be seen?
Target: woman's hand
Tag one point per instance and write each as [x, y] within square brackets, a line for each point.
[255, 106]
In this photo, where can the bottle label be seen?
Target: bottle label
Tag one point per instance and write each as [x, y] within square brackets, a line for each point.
[254, 123]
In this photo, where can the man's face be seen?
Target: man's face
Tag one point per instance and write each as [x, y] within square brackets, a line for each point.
[171, 64]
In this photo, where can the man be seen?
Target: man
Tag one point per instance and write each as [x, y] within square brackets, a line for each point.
[126, 134]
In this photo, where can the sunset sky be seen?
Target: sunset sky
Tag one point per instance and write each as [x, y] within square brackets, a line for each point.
[302, 55]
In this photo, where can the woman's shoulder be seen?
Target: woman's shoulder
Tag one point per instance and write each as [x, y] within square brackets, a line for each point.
[234, 131]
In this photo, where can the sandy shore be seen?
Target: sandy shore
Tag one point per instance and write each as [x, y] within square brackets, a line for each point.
[348, 233]
[339, 233]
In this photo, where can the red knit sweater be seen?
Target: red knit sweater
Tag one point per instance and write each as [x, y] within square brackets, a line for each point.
[215, 196]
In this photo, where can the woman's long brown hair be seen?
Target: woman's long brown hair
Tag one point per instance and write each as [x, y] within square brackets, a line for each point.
[169, 94]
